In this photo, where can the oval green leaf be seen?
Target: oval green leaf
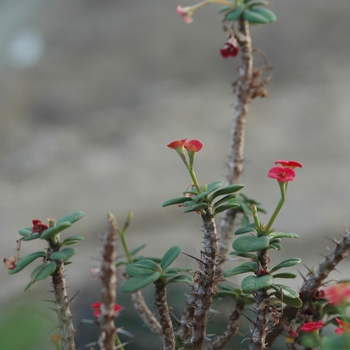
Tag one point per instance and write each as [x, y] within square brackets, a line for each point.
[181, 279]
[285, 275]
[47, 270]
[254, 283]
[245, 229]
[286, 263]
[25, 231]
[253, 17]
[243, 268]
[287, 291]
[227, 190]
[72, 240]
[31, 237]
[227, 206]
[64, 254]
[21, 264]
[276, 246]
[72, 218]
[196, 207]
[55, 230]
[226, 199]
[234, 15]
[250, 243]
[268, 14]
[169, 257]
[283, 235]
[173, 201]
[136, 250]
[245, 255]
[146, 264]
[133, 271]
[140, 281]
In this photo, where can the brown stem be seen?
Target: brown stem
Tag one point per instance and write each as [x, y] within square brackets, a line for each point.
[313, 282]
[205, 281]
[108, 276]
[145, 313]
[62, 305]
[231, 330]
[164, 315]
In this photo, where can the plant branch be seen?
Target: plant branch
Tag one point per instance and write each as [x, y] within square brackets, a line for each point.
[164, 315]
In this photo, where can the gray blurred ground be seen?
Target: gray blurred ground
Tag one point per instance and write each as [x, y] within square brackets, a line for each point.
[92, 91]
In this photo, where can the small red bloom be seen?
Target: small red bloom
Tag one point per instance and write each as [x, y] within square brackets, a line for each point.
[318, 294]
[338, 294]
[281, 174]
[185, 13]
[39, 227]
[10, 263]
[193, 145]
[289, 163]
[176, 144]
[230, 48]
[343, 326]
[97, 308]
[311, 326]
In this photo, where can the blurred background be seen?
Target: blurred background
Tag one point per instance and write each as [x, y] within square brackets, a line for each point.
[92, 91]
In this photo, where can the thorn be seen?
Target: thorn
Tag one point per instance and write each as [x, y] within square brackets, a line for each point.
[249, 319]
[191, 256]
[71, 299]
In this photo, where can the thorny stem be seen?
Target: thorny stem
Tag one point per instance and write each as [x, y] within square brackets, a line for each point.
[164, 315]
[312, 283]
[231, 330]
[204, 280]
[257, 339]
[145, 313]
[240, 111]
[62, 303]
[108, 276]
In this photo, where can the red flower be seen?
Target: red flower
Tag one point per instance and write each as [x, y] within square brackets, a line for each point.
[185, 13]
[318, 294]
[338, 294]
[176, 144]
[311, 326]
[289, 163]
[281, 174]
[230, 48]
[39, 227]
[343, 327]
[193, 145]
[97, 308]
[10, 263]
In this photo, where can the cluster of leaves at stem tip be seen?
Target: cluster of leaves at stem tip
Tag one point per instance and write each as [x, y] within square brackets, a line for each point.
[54, 253]
[249, 10]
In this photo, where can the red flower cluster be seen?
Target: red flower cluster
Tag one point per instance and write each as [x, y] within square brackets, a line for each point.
[230, 48]
[286, 172]
[191, 146]
[338, 294]
[311, 326]
[39, 227]
[97, 308]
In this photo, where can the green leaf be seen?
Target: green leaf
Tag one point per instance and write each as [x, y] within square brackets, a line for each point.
[245, 229]
[258, 3]
[307, 340]
[72, 218]
[140, 281]
[55, 230]
[287, 291]
[244, 255]
[46, 271]
[64, 254]
[293, 302]
[225, 199]
[25, 231]
[243, 268]
[224, 207]
[120, 262]
[21, 264]
[136, 250]
[226, 8]
[286, 263]
[169, 257]
[133, 271]
[285, 275]
[196, 207]
[146, 264]
[276, 246]
[253, 17]
[268, 14]
[250, 243]
[31, 237]
[283, 235]
[210, 188]
[173, 201]
[226, 190]
[234, 15]
[254, 283]
[181, 279]
[72, 240]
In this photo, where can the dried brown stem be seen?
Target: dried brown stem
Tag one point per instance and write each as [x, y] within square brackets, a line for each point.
[205, 281]
[145, 313]
[108, 276]
[231, 330]
[64, 314]
[164, 315]
[313, 282]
